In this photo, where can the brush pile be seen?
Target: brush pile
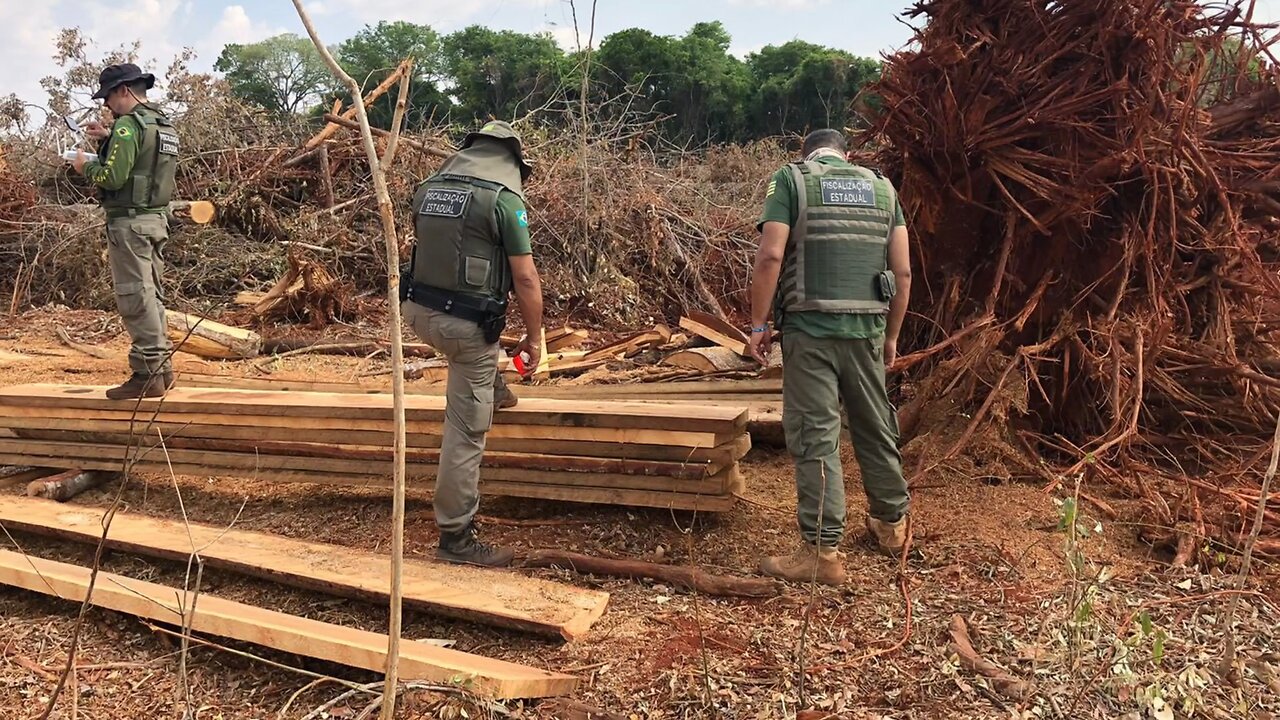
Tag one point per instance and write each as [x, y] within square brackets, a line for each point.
[1093, 188]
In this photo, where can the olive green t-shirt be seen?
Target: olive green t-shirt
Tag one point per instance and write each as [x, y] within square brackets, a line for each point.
[781, 205]
[513, 224]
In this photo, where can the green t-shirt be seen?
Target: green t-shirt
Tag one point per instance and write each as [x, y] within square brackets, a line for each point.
[513, 224]
[780, 205]
[120, 150]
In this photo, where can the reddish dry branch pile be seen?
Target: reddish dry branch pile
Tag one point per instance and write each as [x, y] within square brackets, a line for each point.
[1093, 191]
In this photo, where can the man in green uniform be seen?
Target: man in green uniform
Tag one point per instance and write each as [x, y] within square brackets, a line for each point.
[472, 250]
[834, 269]
[134, 173]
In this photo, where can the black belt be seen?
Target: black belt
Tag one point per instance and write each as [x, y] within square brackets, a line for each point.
[466, 307]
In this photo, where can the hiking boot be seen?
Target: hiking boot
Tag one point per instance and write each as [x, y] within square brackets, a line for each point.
[889, 537]
[465, 548]
[141, 386]
[504, 398]
[808, 563]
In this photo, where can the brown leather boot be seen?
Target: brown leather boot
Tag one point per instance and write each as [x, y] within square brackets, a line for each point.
[889, 537]
[141, 386]
[504, 398]
[807, 563]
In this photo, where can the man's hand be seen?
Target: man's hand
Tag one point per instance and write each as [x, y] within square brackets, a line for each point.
[97, 130]
[759, 345]
[890, 351]
[79, 162]
[534, 351]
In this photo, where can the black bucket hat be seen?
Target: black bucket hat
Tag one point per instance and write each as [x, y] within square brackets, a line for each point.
[113, 76]
[504, 133]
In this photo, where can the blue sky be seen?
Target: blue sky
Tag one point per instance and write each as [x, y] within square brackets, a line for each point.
[27, 29]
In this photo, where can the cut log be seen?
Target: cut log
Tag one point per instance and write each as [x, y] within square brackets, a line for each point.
[462, 592]
[12, 475]
[687, 577]
[68, 484]
[710, 360]
[288, 633]
[231, 342]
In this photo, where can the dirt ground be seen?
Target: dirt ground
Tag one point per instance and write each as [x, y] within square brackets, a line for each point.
[1100, 626]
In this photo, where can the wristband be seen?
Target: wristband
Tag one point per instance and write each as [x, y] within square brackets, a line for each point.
[762, 328]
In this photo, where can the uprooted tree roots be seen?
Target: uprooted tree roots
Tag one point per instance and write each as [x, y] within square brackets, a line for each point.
[1093, 186]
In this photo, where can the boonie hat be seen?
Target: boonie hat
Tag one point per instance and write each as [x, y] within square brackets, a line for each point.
[113, 76]
[504, 133]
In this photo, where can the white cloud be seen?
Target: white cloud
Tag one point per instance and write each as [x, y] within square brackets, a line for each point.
[235, 26]
[27, 35]
[316, 9]
[437, 13]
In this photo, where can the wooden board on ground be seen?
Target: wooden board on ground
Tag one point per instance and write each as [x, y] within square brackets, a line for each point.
[289, 633]
[418, 408]
[730, 450]
[734, 342]
[486, 596]
[666, 499]
[631, 345]
[551, 433]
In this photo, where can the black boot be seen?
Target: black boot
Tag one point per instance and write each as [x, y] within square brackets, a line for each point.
[465, 548]
[140, 386]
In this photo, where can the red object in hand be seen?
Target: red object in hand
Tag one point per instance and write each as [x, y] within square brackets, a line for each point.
[520, 362]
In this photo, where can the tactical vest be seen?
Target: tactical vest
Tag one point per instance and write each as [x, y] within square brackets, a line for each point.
[151, 181]
[836, 259]
[459, 244]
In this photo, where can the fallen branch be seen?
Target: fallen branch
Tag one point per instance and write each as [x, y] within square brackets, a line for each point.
[86, 349]
[690, 578]
[1008, 685]
[66, 485]
[351, 125]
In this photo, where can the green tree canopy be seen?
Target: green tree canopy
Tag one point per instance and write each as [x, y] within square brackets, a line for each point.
[800, 86]
[502, 73]
[374, 52]
[283, 74]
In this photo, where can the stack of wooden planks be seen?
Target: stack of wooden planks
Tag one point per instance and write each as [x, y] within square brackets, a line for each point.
[664, 455]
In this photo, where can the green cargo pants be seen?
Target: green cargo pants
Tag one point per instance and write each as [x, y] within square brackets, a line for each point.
[134, 246]
[819, 373]
[468, 410]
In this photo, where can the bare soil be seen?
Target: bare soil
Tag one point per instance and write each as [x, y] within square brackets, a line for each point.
[994, 553]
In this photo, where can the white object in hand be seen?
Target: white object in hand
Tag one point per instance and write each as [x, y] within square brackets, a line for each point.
[70, 155]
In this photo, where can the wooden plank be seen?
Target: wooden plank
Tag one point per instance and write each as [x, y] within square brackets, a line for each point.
[21, 475]
[486, 596]
[309, 424]
[681, 469]
[81, 454]
[419, 408]
[288, 633]
[739, 347]
[629, 451]
[628, 346]
[566, 338]
[672, 499]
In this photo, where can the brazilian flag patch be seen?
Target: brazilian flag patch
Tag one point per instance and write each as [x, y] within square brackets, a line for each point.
[123, 131]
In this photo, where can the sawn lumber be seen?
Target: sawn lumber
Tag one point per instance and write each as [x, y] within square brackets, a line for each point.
[484, 596]
[288, 633]
[419, 408]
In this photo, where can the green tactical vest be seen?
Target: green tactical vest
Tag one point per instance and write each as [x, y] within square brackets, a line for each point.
[152, 180]
[836, 259]
[459, 244]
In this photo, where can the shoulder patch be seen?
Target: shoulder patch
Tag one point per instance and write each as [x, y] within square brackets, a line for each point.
[522, 218]
[773, 187]
[124, 131]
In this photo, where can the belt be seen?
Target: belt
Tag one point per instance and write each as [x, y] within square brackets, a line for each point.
[113, 213]
[466, 307]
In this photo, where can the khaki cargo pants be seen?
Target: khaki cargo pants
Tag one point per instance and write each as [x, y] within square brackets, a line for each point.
[468, 411]
[134, 246]
[818, 374]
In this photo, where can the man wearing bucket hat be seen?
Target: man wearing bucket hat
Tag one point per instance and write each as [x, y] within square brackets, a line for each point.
[134, 174]
[472, 251]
